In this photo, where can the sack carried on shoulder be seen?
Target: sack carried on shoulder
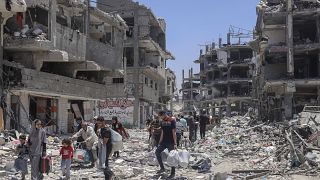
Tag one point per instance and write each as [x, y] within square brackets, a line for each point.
[115, 136]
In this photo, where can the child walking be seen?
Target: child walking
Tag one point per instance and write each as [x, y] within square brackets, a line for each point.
[21, 163]
[66, 153]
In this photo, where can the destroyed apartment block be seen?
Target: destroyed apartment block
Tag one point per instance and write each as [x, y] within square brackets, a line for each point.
[287, 67]
[190, 91]
[149, 83]
[57, 59]
[225, 78]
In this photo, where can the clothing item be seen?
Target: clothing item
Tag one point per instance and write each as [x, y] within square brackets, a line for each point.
[184, 122]
[35, 171]
[65, 167]
[156, 139]
[37, 140]
[167, 125]
[202, 131]
[120, 129]
[180, 127]
[204, 120]
[178, 138]
[105, 133]
[161, 148]
[89, 137]
[21, 164]
[23, 151]
[156, 126]
[66, 152]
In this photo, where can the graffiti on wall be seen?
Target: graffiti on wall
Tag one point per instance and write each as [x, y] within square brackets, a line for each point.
[119, 107]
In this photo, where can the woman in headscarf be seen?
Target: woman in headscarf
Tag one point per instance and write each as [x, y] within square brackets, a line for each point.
[37, 142]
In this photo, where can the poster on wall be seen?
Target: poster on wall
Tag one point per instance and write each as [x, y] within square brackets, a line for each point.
[119, 107]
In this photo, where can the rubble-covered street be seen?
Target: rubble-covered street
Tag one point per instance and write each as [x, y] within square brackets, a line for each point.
[235, 151]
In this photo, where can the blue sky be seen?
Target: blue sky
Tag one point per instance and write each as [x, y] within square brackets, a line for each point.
[191, 23]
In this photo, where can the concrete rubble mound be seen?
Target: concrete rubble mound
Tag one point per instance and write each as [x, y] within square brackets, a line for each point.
[239, 148]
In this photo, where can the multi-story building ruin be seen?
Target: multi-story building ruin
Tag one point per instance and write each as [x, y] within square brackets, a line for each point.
[226, 80]
[287, 66]
[190, 90]
[146, 55]
[58, 57]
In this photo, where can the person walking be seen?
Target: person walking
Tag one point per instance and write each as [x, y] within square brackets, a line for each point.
[90, 141]
[66, 153]
[21, 163]
[180, 129]
[203, 123]
[118, 127]
[168, 140]
[183, 120]
[192, 128]
[156, 131]
[37, 145]
[105, 143]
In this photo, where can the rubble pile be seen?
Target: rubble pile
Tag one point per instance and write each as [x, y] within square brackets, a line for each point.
[233, 150]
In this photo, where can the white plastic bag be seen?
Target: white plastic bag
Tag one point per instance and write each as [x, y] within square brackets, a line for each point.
[164, 155]
[115, 136]
[173, 159]
[152, 158]
[117, 146]
[184, 157]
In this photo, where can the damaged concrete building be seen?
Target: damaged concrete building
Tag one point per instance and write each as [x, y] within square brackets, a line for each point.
[149, 84]
[225, 77]
[190, 90]
[287, 69]
[59, 56]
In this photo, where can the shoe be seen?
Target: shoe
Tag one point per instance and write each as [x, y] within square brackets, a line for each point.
[161, 171]
[171, 176]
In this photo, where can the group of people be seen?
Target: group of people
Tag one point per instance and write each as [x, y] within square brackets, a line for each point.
[165, 131]
[184, 123]
[95, 139]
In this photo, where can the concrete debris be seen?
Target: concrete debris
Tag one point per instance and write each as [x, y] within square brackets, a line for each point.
[232, 151]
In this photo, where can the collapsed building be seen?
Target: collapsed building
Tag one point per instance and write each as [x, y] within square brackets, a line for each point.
[59, 57]
[225, 77]
[149, 84]
[286, 76]
[190, 90]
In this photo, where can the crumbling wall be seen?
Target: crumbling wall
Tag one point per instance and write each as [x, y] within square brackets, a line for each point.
[72, 42]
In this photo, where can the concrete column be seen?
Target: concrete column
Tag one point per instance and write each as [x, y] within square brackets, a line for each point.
[1, 55]
[228, 109]
[290, 53]
[7, 118]
[318, 33]
[62, 115]
[318, 95]
[288, 105]
[24, 110]
[52, 22]
[136, 112]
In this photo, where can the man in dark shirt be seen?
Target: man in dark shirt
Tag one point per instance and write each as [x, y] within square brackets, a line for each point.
[203, 123]
[168, 140]
[105, 136]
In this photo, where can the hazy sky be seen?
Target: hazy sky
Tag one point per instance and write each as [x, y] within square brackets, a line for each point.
[191, 23]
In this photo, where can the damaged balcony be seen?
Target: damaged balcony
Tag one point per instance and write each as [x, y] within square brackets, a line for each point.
[47, 83]
[151, 45]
